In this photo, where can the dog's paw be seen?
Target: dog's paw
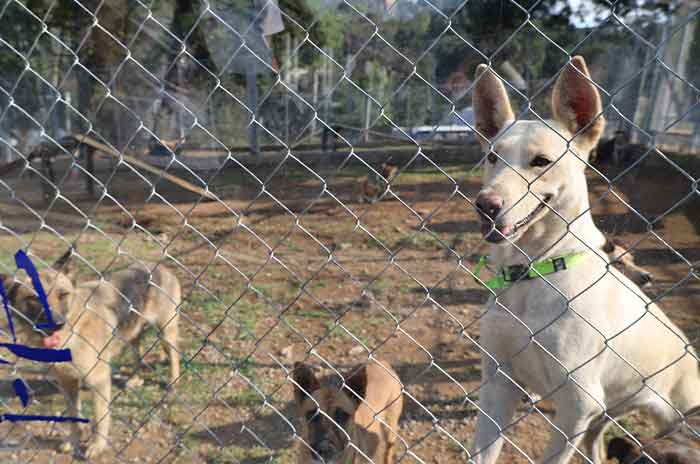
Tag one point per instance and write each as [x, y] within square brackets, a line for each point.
[95, 449]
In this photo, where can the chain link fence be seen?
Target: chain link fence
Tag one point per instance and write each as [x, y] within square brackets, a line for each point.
[296, 181]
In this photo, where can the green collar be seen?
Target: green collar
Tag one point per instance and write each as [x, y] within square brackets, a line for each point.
[517, 272]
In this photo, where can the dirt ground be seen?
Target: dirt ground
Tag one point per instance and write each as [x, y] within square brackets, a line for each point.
[311, 269]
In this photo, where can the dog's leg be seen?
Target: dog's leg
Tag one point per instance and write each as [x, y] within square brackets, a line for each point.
[169, 335]
[102, 397]
[71, 392]
[497, 404]
[576, 410]
[393, 414]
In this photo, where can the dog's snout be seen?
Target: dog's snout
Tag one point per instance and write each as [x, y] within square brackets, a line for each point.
[324, 449]
[58, 321]
[489, 204]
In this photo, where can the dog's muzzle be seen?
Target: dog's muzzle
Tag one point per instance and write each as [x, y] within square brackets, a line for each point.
[58, 322]
[324, 449]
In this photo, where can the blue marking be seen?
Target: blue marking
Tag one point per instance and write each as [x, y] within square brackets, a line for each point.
[23, 262]
[32, 418]
[21, 391]
[6, 304]
[46, 355]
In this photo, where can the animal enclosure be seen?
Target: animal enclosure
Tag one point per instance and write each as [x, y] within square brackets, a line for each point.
[308, 170]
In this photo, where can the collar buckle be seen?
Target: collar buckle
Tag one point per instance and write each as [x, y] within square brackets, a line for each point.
[516, 272]
[559, 264]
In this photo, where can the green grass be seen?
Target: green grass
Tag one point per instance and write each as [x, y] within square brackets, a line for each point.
[95, 249]
[412, 175]
[630, 426]
[237, 454]
[419, 241]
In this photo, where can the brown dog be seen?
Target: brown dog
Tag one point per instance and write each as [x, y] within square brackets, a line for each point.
[99, 318]
[340, 423]
[619, 256]
[680, 445]
[373, 186]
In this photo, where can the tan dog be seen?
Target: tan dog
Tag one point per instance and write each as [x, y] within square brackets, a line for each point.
[339, 425]
[680, 445]
[100, 318]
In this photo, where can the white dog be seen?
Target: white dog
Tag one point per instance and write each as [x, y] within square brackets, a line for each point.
[569, 327]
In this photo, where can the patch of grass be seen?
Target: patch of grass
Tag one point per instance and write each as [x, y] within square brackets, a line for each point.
[311, 314]
[235, 454]
[631, 426]
[357, 328]
[245, 397]
[243, 313]
[430, 174]
[419, 241]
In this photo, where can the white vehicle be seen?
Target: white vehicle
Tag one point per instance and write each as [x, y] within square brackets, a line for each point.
[454, 125]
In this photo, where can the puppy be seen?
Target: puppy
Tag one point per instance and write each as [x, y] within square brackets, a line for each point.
[680, 445]
[617, 252]
[99, 319]
[341, 424]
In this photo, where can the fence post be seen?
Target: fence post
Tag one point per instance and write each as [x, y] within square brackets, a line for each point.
[368, 102]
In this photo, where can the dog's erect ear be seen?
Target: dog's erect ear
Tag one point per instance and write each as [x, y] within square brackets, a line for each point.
[492, 109]
[356, 380]
[623, 449]
[576, 104]
[306, 382]
[8, 284]
[64, 263]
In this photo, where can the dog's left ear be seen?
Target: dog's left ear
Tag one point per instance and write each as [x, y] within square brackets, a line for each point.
[623, 449]
[306, 382]
[577, 106]
[356, 381]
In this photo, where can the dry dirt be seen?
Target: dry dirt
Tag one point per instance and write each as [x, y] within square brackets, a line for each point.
[271, 295]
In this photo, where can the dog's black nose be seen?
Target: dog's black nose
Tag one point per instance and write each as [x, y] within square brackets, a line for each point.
[58, 321]
[324, 449]
[489, 204]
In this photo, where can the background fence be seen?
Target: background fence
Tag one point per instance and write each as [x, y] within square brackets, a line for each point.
[283, 112]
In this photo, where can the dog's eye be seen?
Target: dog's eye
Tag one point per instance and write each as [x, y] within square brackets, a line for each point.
[313, 416]
[540, 161]
[341, 416]
[492, 158]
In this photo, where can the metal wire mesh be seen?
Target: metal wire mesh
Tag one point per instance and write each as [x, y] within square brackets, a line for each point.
[309, 171]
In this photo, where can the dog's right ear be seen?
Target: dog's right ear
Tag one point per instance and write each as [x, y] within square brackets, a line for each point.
[623, 449]
[9, 284]
[492, 110]
[356, 380]
[306, 382]
[64, 263]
